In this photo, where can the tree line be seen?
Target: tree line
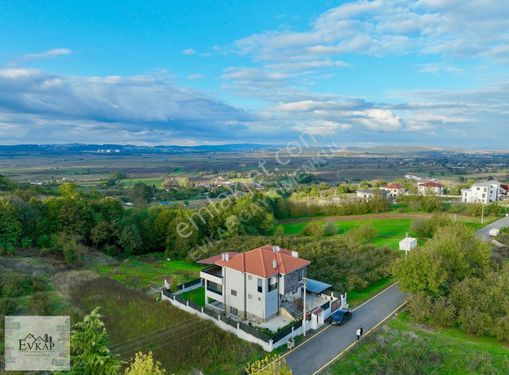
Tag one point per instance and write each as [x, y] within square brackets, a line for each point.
[71, 218]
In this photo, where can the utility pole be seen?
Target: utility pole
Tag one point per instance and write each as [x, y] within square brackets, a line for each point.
[482, 213]
[304, 281]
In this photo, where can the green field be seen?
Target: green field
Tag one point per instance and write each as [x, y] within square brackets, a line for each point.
[147, 181]
[196, 295]
[148, 271]
[180, 341]
[404, 348]
[389, 231]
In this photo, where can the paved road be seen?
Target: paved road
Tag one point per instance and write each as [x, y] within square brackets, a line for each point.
[327, 344]
[484, 232]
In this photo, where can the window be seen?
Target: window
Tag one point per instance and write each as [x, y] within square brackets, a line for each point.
[260, 285]
[234, 293]
[249, 296]
[234, 311]
[272, 283]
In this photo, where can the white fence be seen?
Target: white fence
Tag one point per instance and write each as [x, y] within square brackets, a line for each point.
[267, 346]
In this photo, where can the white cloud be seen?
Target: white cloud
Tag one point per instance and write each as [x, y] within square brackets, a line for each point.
[459, 28]
[195, 76]
[189, 52]
[133, 105]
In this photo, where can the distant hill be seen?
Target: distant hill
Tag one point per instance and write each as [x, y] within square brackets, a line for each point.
[112, 149]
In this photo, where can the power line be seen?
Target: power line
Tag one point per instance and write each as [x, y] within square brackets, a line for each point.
[165, 334]
[153, 333]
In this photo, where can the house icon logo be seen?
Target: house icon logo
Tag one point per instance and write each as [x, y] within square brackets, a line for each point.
[31, 343]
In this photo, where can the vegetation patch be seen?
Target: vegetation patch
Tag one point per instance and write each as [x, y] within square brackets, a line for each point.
[405, 348]
[148, 271]
[180, 341]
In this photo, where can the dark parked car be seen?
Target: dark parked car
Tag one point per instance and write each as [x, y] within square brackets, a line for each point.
[340, 316]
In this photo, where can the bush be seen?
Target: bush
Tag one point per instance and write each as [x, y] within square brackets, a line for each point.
[313, 229]
[330, 229]
[360, 235]
[7, 306]
[40, 304]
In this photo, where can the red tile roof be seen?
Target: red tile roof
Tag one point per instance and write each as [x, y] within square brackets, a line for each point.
[215, 258]
[394, 186]
[430, 184]
[259, 262]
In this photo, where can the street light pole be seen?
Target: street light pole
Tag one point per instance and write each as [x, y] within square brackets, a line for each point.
[482, 213]
[304, 281]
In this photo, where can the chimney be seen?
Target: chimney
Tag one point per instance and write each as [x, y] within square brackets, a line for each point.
[295, 254]
[274, 263]
[226, 257]
[276, 249]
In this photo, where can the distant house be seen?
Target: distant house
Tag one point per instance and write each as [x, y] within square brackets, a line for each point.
[370, 194]
[484, 192]
[430, 188]
[394, 190]
[261, 284]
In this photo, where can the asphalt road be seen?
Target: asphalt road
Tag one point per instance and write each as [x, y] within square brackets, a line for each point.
[313, 354]
[484, 232]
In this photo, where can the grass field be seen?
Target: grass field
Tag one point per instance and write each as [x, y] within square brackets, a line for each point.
[356, 297]
[147, 181]
[147, 271]
[404, 348]
[196, 295]
[180, 341]
[389, 230]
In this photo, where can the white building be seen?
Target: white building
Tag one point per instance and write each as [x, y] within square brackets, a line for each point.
[430, 188]
[483, 192]
[394, 190]
[260, 284]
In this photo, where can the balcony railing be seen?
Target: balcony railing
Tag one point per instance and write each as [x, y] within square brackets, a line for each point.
[214, 271]
[214, 288]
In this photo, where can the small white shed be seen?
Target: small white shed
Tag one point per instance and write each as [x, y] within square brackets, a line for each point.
[408, 243]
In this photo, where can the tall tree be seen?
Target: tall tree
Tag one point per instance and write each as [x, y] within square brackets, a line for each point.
[10, 227]
[89, 348]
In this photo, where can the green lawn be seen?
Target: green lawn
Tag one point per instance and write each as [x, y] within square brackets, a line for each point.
[145, 271]
[196, 295]
[356, 297]
[389, 231]
[405, 348]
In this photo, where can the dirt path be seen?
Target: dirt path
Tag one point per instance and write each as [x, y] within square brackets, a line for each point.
[383, 215]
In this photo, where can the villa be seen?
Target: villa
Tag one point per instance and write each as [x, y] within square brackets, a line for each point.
[264, 285]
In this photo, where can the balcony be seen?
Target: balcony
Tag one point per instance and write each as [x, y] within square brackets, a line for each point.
[214, 271]
[214, 288]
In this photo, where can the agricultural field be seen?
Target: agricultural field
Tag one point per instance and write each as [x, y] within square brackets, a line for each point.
[182, 342]
[148, 271]
[390, 228]
[422, 350]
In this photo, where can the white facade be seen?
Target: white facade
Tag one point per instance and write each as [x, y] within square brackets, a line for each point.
[482, 192]
[247, 296]
[430, 188]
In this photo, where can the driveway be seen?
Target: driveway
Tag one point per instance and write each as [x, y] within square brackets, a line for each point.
[484, 232]
[325, 345]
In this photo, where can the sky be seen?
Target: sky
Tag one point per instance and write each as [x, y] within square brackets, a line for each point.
[356, 73]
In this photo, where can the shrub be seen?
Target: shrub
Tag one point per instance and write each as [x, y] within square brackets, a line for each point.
[40, 304]
[313, 229]
[330, 229]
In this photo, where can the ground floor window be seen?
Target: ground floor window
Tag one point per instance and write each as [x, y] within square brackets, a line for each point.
[234, 311]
